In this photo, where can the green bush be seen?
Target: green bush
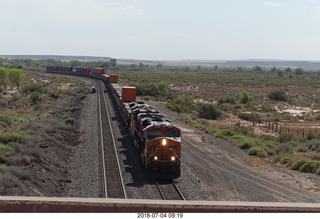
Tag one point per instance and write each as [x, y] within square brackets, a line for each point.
[286, 137]
[7, 119]
[314, 145]
[285, 160]
[297, 164]
[230, 100]
[278, 95]
[35, 97]
[1, 168]
[245, 97]
[154, 90]
[33, 87]
[69, 120]
[256, 151]
[181, 104]
[7, 137]
[241, 130]
[246, 145]
[4, 148]
[209, 111]
[310, 166]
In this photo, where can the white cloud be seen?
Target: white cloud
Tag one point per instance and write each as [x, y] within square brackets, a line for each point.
[272, 4]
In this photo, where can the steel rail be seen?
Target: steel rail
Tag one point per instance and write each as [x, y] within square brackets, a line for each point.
[178, 190]
[104, 176]
[175, 187]
[114, 146]
[158, 187]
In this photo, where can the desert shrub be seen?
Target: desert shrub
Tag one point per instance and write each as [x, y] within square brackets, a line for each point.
[314, 145]
[287, 148]
[245, 97]
[285, 160]
[35, 97]
[278, 95]
[256, 151]
[286, 137]
[154, 90]
[33, 87]
[312, 136]
[297, 164]
[3, 150]
[230, 100]
[310, 166]
[69, 120]
[181, 104]
[246, 145]
[11, 137]
[162, 89]
[209, 111]
[227, 132]
[2, 168]
[302, 148]
[242, 129]
[6, 119]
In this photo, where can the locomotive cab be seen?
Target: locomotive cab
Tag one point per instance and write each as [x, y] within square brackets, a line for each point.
[163, 150]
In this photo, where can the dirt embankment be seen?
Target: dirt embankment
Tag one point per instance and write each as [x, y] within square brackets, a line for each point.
[48, 122]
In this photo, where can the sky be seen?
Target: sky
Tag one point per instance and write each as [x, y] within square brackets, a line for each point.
[162, 29]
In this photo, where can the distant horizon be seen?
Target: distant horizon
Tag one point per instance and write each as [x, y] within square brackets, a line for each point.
[265, 63]
[203, 60]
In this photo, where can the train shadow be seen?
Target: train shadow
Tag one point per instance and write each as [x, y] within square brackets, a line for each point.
[134, 169]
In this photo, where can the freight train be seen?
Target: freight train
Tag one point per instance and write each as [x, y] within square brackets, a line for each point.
[156, 138]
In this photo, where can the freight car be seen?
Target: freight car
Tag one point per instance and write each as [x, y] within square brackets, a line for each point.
[156, 138]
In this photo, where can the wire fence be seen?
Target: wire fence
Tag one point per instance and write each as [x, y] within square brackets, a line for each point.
[306, 131]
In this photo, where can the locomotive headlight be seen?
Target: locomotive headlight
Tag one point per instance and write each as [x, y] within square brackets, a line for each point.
[164, 142]
[155, 158]
[173, 158]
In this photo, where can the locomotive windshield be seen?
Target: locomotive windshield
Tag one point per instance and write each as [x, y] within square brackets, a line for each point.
[173, 134]
[152, 134]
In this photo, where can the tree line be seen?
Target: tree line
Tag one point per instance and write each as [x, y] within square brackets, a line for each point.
[11, 76]
[39, 65]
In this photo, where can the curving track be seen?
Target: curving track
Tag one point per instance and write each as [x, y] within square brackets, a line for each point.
[112, 180]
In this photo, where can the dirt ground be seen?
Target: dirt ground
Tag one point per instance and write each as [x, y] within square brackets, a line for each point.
[38, 165]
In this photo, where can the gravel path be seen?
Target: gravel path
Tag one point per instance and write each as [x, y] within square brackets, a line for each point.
[84, 166]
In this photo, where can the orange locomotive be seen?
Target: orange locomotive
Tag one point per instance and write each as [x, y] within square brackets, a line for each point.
[157, 140]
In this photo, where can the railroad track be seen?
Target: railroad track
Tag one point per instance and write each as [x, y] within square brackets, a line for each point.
[112, 180]
[169, 190]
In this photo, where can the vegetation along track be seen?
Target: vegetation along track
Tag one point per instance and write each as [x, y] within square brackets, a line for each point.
[112, 180]
[168, 190]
